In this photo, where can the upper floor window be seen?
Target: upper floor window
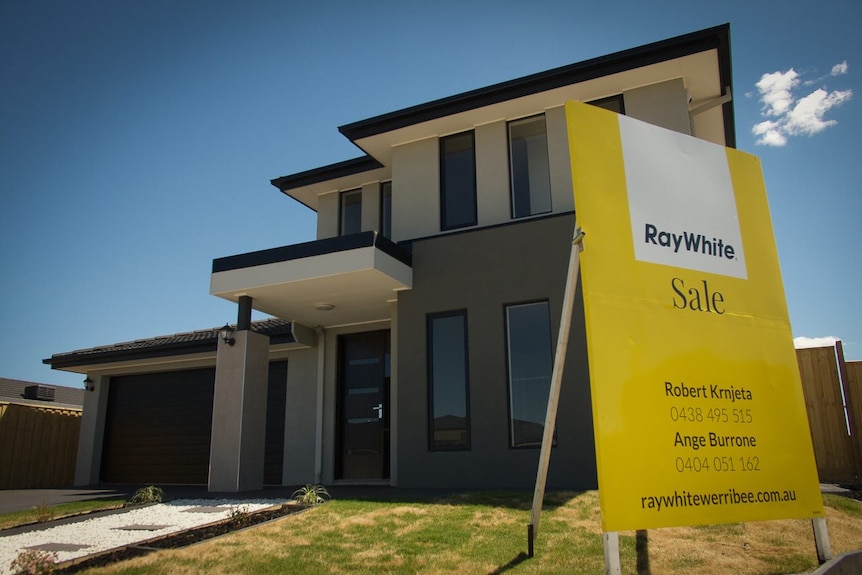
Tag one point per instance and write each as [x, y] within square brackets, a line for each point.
[457, 181]
[350, 215]
[528, 162]
[612, 103]
[448, 381]
[386, 209]
[531, 361]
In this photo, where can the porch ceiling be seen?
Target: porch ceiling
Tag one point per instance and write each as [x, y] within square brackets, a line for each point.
[357, 276]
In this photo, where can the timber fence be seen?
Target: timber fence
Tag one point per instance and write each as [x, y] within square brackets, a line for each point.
[833, 399]
[38, 446]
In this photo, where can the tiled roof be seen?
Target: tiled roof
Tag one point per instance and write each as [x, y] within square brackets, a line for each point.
[12, 390]
[177, 344]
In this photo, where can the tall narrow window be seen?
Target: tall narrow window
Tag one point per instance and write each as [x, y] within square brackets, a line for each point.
[386, 209]
[457, 181]
[351, 212]
[448, 381]
[528, 162]
[528, 330]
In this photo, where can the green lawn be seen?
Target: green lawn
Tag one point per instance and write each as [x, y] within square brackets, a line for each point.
[486, 533]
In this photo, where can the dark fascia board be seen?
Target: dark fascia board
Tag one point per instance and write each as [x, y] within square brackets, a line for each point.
[311, 249]
[717, 37]
[338, 170]
[74, 359]
[167, 346]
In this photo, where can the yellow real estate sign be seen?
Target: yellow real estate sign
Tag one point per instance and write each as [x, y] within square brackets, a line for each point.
[697, 403]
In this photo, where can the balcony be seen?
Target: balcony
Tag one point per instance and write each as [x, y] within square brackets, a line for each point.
[330, 282]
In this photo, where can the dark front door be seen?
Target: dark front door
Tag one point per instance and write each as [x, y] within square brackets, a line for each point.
[363, 406]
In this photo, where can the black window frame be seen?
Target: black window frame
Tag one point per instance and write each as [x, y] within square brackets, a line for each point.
[430, 318]
[474, 216]
[386, 215]
[512, 202]
[341, 196]
[509, 395]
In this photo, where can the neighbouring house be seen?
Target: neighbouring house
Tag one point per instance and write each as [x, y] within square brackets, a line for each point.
[412, 341]
[39, 429]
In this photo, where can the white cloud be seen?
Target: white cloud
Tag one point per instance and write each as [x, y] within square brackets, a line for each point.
[769, 133]
[804, 342]
[839, 69]
[786, 115]
[775, 91]
[806, 117]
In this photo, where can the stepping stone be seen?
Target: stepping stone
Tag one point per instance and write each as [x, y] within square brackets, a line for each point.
[141, 527]
[59, 547]
[206, 509]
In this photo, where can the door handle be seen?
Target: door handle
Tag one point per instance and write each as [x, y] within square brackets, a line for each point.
[379, 409]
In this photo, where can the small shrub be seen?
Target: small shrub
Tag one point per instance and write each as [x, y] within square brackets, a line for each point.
[44, 512]
[34, 562]
[311, 495]
[239, 516]
[149, 494]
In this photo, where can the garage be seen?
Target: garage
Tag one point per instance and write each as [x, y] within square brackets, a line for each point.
[158, 427]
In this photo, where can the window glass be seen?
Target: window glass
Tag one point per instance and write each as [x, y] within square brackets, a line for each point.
[612, 103]
[531, 361]
[351, 212]
[386, 209]
[528, 161]
[457, 181]
[448, 381]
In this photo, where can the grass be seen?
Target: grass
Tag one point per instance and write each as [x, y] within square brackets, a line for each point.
[485, 533]
[42, 513]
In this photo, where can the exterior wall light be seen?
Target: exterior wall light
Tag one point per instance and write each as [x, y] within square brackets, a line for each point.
[89, 385]
[226, 334]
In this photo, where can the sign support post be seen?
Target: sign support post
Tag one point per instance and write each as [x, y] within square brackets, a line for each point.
[556, 383]
[821, 539]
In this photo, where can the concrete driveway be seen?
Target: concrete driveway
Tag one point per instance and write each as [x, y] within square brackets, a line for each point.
[24, 499]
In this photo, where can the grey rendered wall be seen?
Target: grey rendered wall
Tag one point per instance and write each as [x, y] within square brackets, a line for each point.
[300, 419]
[482, 271]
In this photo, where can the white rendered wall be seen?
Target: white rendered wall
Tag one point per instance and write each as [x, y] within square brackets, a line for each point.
[370, 207]
[416, 189]
[562, 197]
[327, 216]
[492, 173]
[664, 104]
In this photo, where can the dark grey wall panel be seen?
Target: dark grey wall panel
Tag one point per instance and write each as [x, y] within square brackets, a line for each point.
[483, 271]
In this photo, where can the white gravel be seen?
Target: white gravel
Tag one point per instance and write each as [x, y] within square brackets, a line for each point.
[104, 533]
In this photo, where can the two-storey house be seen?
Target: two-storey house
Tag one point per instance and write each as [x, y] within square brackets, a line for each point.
[413, 340]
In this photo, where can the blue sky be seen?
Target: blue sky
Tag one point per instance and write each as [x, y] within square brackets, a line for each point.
[137, 139]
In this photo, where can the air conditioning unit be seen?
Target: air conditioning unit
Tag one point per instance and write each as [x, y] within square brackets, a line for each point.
[41, 392]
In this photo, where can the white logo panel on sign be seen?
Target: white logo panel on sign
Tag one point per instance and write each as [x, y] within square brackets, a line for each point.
[682, 208]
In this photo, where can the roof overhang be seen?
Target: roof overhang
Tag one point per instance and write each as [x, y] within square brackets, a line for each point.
[336, 281]
[175, 352]
[701, 59]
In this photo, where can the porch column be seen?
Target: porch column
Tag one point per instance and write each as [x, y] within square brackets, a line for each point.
[239, 413]
[88, 460]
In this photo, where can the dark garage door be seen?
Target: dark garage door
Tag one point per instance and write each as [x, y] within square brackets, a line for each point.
[158, 427]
